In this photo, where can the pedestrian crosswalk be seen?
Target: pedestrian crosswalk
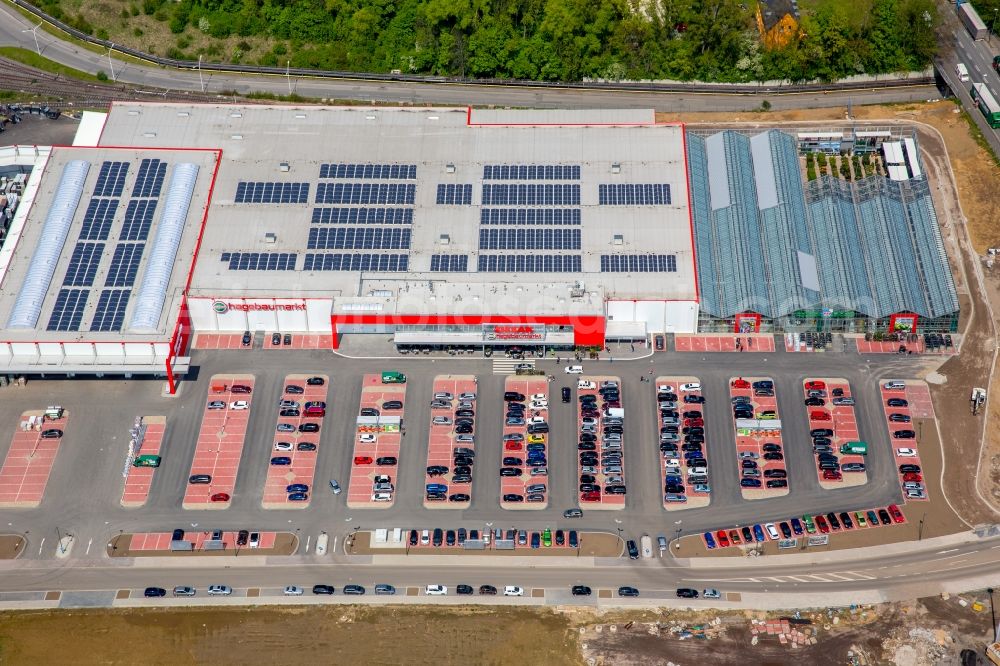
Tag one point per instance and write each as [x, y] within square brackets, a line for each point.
[508, 366]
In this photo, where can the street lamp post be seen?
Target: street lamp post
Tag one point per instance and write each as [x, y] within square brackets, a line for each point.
[993, 616]
[993, 26]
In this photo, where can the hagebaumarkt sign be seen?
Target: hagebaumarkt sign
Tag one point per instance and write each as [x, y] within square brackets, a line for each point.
[514, 332]
[222, 307]
[817, 314]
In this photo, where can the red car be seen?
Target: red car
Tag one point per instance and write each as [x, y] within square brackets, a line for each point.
[913, 476]
[513, 446]
[591, 496]
[832, 475]
[897, 515]
[822, 524]
[694, 423]
[818, 415]
[810, 386]
[224, 497]
[741, 384]
[363, 460]
[734, 536]
[722, 538]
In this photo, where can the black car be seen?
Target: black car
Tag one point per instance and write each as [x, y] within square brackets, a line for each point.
[281, 460]
[845, 518]
[295, 389]
[896, 402]
[323, 589]
[392, 404]
[820, 432]
[909, 468]
[438, 536]
[200, 478]
[686, 593]
[899, 418]
[626, 591]
[580, 591]
[487, 589]
[633, 550]
[772, 455]
[308, 427]
[513, 497]
[461, 478]
[774, 483]
[750, 483]
[772, 447]
[436, 496]
[465, 412]
[822, 441]
[154, 592]
[369, 411]
[513, 396]
[463, 589]
[275, 339]
[775, 473]
[387, 461]
[247, 338]
[587, 446]
[566, 395]
[354, 589]
[883, 516]
[513, 462]
[449, 537]
[588, 478]
[589, 487]
[436, 470]
[814, 402]
[52, 433]
[899, 434]
[614, 490]
[241, 537]
[658, 342]
[240, 388]
[289, 411]
[458, 497]
[305, 446]
[574, 540]
[414, 537]
[832, 519]
[694, 399]
[466, 461]
[786, 531]
[511, 471]
[315, 381]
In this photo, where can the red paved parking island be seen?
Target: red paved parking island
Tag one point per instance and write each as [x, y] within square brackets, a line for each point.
[161, 540]
[299, 341]
[442, 441]
[302, 468]
[219, 341]
[140, 479]
[377, 436]
[517, 449]
[843, 422]
[220, 441]
[690, 420]
[29, 461]
[612, 473]
[753, 436]
[718, 342]
[918, 406]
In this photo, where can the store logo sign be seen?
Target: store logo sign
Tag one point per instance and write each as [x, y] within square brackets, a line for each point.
[220, 307]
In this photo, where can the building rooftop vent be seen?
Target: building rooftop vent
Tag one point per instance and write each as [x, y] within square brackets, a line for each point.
[270, 237]
[284, 166]
[618, 239]
[450, 168]
[445, 239]
[616, 168]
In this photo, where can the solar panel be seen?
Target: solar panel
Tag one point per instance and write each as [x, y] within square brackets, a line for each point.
[362, 216]
[545, 194]
[454, 193]
[110, 311]
[124, 265]
[98, 219]
[366, 193]
[111, 179]
[256, 192]
[83, 264]
[455, 263]
[638, 263]
[529, 239]
[531, 172]
[359, 238]
[356, 262]
[369, 171]
[530, 263]
[138, 219]
[633, 194]
[67, 313]
[546, 216]
[260, 261]
[149, 180]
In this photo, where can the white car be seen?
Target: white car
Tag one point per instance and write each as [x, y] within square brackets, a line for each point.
[664, 388]
[441, 420]
[382, 497]
[711, 593]
[697, 471]
[220, 590]
[573, 369]
[772, 531]
[293, 591]
[694, 386]
[240, 404]
[513, 591]
[539, 404]
[368, 438]
[906, 453]
[443, 395]
[536, 420]
[586, 385]
[283, 446]
[672, 462]
[539, 396]
[436, 590]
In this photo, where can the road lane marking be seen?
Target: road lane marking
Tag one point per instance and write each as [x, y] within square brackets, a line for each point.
[862, 576]
[89, 543]
[40, 546]
[942, 552]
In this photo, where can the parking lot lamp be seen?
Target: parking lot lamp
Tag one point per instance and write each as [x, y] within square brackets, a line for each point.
[993, 616]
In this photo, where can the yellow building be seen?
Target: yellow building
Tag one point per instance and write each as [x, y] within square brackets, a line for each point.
[777, 22]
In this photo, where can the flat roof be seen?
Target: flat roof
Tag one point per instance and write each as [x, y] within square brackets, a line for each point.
[583, 219]
[91, 269]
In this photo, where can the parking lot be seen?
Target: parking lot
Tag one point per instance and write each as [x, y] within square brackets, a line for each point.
[830, 405]
[525, 444]
[605, 415]
[679, 490]
[907, 404]
[443, 439]
[377, 436]
[283, 487]
[86, 479]
[759, 441]
[30, 458]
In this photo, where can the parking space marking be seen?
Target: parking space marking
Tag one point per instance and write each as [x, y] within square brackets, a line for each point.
[917, 396]
[603, 477]
[764, 428]
[29, 461]
[517, 485]
[724, 342]
[220, 442]
[917, 346]
[693, 498]
[842, 420]
[441, 442]
[139, 480]
[298, 341]
[146, 541]
[386, 431]
[302, 467]
[219, 341]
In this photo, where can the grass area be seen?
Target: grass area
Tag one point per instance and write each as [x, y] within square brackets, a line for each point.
[977, 135]
[32, 59]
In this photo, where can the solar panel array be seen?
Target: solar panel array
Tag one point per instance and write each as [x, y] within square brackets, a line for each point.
[369, 171]
[357, 262]
[67, 313]
[529, 239]
[638, 263]
[149, 180]
[110, 311]
[138, 220]
[111, 179]
[255, 192]
[633, 194]
[261, 261]
[124, 265]
[550, 216]
[530, 263]
[362, 216]
[83, 264]
[98, 218]
[531, 172]
[453, 263]
[359, 238]
[366, 193]
[454, 194]
[545, 194]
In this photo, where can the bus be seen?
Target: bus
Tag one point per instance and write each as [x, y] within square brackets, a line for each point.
[147, 461]
[393, 378]
[987, 104]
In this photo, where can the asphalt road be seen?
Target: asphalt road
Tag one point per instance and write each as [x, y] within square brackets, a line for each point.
[15, 31]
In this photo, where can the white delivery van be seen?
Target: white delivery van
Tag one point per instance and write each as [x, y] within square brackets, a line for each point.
[963, 73]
